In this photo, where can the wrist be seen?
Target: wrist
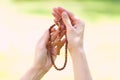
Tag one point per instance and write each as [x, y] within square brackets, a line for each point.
[33, 73]
[77, 53]
[38, 73]
[80, 65]
[76, 50]
[36, 67]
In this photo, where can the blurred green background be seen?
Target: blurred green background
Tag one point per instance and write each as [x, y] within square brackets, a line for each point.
[88, 8]
[22, 22]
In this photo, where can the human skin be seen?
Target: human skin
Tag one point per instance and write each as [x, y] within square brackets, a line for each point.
[75, 33]
[42, 61]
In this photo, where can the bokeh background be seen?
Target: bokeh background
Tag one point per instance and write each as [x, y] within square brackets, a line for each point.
[22, 22]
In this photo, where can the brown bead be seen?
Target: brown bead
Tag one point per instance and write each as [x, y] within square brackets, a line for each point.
[57, 44]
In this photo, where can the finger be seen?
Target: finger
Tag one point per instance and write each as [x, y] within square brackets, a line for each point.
[60, 10]
[59, 42]
[76, 22]
[59, 46]
[80, 26]
[60, 24]
[66, 21]
[55, 50]
[42, 43]
[62, 27]
[80, 29]
[73, 18]
[45, 36]
[55, 10]
[69, 13]
[54, 35]
[55, 15]
[62, 34]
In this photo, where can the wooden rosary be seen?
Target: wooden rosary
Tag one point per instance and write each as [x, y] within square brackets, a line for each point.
[58, 46]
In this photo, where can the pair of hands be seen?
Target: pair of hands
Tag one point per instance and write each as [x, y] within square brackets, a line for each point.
[75, 31]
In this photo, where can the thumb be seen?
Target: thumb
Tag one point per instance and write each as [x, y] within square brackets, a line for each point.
[44, 39]
[66, 20]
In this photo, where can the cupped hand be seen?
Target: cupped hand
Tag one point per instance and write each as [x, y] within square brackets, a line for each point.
[75, 27]
[42, 59]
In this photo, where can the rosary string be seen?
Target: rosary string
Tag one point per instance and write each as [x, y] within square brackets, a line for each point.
[50, 47]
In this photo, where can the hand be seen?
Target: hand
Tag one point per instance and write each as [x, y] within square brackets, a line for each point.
[42, 58]
[42, 61]
[75, 31]
[75, 27]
